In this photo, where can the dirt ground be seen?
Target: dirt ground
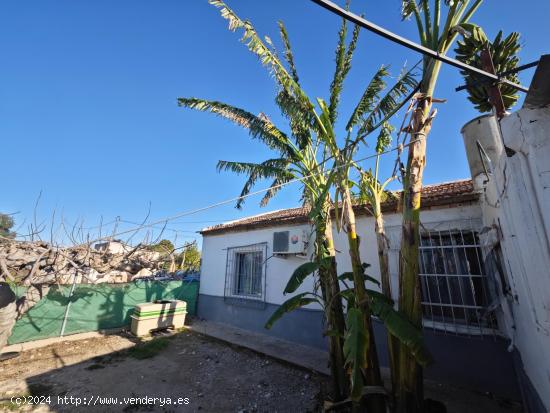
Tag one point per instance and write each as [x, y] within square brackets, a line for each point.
[185, 372]
[212, 376]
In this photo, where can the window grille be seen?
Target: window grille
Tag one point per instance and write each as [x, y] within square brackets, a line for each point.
[456, 295]
[245, 272]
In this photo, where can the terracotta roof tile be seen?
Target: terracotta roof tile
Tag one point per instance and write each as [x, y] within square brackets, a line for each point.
[444, 194]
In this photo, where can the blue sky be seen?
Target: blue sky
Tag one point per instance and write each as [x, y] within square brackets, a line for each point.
[88, 90]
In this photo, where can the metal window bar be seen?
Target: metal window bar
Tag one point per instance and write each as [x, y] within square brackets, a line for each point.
[245, 272]
[455, 293]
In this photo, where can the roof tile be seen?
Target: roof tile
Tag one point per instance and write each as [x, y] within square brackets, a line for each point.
[443, 194]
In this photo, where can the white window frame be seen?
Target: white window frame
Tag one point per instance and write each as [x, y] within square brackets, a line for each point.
[254, 272]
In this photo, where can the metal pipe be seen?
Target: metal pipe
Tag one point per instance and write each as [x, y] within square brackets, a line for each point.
[360, 21]
[506, 73]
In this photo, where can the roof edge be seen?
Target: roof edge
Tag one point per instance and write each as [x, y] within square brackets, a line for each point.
[436, 195]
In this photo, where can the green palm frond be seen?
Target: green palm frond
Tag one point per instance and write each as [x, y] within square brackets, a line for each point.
[336, 85]
[271, 168]
[343, 65]
[296, 110]
[326, 126]
[275, 187]
[259, 127]
[383, 141]
[299, 300]
[300, 118]
[356, 345]
[391, 102]
[266, 56]
[370, 96]
[289, 57]
[409, 8]
[266, 169]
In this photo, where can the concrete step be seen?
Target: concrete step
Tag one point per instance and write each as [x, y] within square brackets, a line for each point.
[307, 357]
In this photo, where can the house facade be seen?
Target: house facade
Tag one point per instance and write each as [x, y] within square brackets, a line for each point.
[510, 165]
[243, 276]
[484, 261]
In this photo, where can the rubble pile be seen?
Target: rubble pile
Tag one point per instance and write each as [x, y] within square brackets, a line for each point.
[41, 263]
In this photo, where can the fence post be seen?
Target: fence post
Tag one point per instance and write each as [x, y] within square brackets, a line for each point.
[68, 305]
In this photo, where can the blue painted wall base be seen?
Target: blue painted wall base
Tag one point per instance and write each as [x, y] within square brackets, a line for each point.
[480, 363]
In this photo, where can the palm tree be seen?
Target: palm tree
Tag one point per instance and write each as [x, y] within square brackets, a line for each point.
[373, 110]
[409, 392]
[304, 155]
[300, 157]
[373, 193]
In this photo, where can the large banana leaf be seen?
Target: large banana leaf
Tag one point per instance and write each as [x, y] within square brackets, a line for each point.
[259, 127]
[356, 345]
[266, 56]
[289, 305]
[399, 326]
[348, 276]
[343, 65]
[272, 168]
[300, 274]
[370, 96]
[318, 208]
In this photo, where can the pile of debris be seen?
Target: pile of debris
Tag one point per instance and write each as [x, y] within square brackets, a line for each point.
[42, 263]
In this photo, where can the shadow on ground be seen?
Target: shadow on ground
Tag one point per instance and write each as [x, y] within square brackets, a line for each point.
[183, 372]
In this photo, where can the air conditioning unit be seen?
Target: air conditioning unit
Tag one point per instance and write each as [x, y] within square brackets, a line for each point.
[290, 242]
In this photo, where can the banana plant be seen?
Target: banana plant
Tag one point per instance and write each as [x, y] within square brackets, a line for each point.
[373, 192]
[373, 110]
[357, 336]
[311, 154]
[300, 156]
[437, 22]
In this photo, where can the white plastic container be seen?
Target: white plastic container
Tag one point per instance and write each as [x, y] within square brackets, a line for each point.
[158, 315]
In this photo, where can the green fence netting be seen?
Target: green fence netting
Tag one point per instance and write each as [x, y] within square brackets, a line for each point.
[95, 307]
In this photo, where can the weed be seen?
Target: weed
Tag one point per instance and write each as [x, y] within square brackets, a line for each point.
[148, 349]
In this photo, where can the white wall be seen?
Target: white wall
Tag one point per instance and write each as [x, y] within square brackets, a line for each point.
[278, 269]
[521, 186]
[214, 250]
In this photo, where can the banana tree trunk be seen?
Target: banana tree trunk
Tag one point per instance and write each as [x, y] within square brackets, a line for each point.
[374, 403]
[335, 313]
[409, 393]
[383, 260]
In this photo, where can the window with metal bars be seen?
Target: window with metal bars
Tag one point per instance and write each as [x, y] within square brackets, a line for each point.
[245, 272]
[455, 287]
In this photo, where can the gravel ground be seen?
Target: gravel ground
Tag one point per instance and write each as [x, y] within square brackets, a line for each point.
[212, 376]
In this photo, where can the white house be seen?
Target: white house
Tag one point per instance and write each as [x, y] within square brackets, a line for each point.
[513, 178]
[484, 261]
[242, 282]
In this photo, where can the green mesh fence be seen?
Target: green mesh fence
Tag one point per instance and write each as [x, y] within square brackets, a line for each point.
[96, 307]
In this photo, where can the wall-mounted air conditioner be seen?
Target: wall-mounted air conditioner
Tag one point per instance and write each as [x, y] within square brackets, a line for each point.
[290, 242]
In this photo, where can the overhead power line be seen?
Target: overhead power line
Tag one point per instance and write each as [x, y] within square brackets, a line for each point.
[250, 194]
[362, 22]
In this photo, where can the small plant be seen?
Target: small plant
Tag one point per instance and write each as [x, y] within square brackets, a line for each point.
[148, 349]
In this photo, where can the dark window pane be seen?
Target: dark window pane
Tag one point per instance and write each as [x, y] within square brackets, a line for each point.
[453, 280]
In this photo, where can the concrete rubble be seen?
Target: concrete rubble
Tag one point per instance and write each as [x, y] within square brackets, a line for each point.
[42, 263]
